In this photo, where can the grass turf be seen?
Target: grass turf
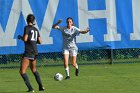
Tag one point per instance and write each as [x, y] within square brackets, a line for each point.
[118, 78]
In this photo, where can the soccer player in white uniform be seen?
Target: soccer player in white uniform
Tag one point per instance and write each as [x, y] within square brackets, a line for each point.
[69, 34]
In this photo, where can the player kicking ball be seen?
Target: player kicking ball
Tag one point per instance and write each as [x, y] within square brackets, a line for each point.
[69, 34]
[31, 37]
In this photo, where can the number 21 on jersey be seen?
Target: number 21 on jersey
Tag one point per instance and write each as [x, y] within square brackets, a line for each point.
[34, 35]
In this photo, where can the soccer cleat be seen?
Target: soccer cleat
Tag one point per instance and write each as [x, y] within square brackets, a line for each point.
[31, 91]
[41, 89]
[76, 72]
[67, 77]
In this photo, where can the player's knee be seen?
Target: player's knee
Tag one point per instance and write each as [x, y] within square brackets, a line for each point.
[21, 72]
[33, 70]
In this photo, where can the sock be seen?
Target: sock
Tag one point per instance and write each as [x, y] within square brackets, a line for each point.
[67, 71]
[26, 80]
[76, 66]
[37, 77]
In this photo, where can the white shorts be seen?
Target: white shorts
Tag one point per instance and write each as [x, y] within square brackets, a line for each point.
[72, 52]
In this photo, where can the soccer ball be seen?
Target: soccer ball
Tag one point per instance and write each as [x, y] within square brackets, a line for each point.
[58, 77]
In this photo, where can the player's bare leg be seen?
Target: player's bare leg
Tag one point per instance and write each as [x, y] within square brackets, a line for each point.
[36, 74]
[23, 68]
[66, 59]
[73, 62]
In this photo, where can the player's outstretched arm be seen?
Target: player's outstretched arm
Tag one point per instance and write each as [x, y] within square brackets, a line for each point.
[55, 26]
[85, 31]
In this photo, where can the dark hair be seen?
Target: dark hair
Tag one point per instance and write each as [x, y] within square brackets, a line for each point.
[30, 18]
[70, 19]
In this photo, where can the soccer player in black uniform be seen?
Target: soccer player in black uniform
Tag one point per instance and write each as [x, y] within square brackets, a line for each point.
[31, 38]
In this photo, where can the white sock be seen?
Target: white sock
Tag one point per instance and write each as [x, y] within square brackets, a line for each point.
[67, 71]
[76, 66]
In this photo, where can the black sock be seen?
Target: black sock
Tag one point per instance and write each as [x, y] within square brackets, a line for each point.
[37, 77]
[26, 80]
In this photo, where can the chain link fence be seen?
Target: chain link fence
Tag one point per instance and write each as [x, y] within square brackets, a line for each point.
[85, 57]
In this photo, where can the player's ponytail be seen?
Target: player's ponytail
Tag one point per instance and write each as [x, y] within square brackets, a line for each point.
[30, 18]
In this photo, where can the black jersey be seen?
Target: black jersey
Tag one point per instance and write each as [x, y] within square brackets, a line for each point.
[31, 43]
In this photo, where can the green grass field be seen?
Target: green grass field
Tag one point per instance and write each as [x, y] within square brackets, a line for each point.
[118, 78]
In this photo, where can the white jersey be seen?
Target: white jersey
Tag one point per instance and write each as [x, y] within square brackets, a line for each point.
[69, 37]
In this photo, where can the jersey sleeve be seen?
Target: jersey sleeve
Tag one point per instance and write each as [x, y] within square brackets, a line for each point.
[26, 31]
[77, 30]
[38, 35]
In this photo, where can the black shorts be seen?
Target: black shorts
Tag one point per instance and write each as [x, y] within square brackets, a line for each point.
[29, 56]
